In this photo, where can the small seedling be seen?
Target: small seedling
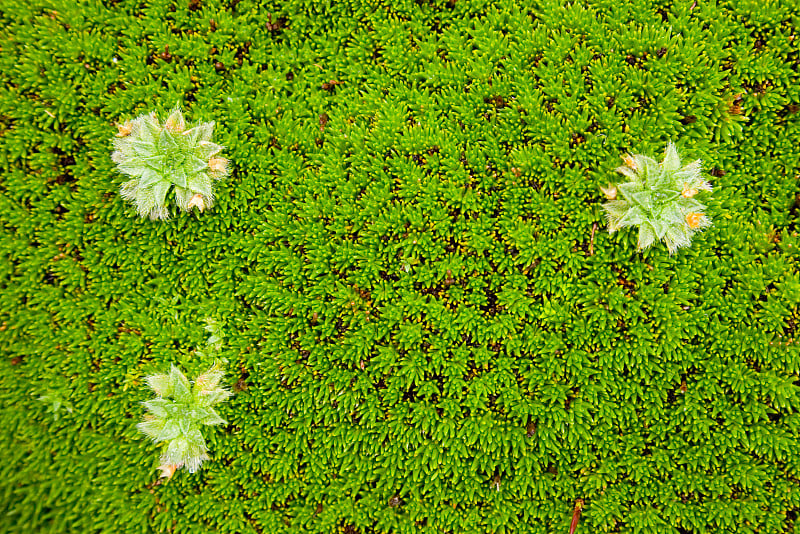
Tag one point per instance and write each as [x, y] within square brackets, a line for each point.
[56, 401]
[215, 338]
[659, 199]
[160, 157]
[177, 414]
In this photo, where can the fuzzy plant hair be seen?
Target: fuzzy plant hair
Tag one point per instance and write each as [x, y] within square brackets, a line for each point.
[176, 416]
[659, 199]
[161, 156]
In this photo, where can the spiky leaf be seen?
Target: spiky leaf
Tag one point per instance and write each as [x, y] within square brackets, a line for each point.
[170, 430]
[157, 407]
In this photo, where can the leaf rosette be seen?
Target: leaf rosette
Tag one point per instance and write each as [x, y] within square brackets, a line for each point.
[161, 157]
[659, 199]
[177, 415]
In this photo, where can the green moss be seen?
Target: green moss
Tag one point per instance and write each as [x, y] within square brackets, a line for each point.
[426, 327]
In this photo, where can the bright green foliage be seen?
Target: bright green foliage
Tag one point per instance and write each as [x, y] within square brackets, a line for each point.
[659, 199]
[162, 156]
[177, 414]
[424, 334]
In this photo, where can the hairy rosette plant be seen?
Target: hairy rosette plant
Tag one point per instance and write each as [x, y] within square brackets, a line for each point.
[161, 156]
[178, 413]
[659, 198]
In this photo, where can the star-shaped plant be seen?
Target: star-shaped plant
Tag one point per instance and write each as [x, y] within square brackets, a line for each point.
[177, 414]
[161, 156]
[659, 199]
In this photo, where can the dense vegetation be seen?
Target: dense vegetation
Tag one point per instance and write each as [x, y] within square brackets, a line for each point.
[424, 321]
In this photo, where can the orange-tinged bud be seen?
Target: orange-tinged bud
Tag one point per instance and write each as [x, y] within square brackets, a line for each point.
[198, 201]
[688, 192]
[610, 192]
[218, 164]
[208, 381]
[167, 470]
[695, 220]
[124, 129]
[173, 125]
[629, 161]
